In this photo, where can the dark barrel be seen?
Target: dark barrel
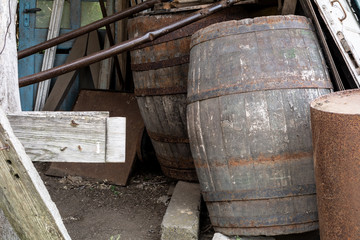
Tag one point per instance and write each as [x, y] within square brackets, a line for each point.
[250, 83]
[160, 71]
[335, 122]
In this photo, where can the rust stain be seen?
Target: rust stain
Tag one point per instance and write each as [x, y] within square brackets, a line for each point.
[261, 159]
[73, 123]
[336, 141]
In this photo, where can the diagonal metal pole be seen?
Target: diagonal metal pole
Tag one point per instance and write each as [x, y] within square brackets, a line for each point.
[88, 28]
[124, 46]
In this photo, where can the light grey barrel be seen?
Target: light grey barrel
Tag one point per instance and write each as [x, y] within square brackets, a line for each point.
[250, 83]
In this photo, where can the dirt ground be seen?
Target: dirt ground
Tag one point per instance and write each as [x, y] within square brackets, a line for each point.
[100, 211]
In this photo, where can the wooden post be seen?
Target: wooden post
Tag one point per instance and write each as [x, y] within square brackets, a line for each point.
[22, 193]
[9, 87]
[106, 65]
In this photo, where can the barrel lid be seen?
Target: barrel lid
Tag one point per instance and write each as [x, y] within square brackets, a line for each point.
[250, 25]
[344, 102]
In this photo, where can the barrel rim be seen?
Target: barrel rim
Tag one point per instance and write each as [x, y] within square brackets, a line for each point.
[249, 25]
[315, 104]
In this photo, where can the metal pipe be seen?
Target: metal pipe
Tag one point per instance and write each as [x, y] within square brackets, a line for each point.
[122, 47]
[112, 43]
[88, 28]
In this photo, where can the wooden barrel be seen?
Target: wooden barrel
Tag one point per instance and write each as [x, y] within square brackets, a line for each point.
[249, 87]
[160, 71]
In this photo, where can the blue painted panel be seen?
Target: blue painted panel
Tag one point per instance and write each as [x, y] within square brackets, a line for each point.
[30, 36]
[26, 65]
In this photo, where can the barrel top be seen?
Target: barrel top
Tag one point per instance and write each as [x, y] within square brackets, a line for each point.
[344, 102]
[250, 25]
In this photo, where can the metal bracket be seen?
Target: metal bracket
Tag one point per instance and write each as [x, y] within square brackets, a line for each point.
[337, 1]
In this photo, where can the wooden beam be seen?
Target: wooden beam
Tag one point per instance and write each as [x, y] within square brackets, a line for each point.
[121, 36]
[50, 53]
[289, 7]
[93, 47]
[106, 65]
[23, 195]
[64, 82]
[70, 136]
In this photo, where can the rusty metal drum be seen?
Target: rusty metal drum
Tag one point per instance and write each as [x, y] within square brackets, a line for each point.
[160, 71]
[335, 122]
[250, 84]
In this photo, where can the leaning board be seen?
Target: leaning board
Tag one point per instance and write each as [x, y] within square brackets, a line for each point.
[23, 196]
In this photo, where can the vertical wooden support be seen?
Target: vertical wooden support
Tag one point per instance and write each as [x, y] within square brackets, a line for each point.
[289, 7]
[93, 47]
[106, 65]
[23, 195]
[121, 36]
[49, 56]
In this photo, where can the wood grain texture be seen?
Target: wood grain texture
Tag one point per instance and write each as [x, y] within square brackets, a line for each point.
[64, 82]
[121, 36]
[93, 47]
[251, 142]
[106, 65]
[115, 139]
[119, 105]
[289, 7]
[50, 53]
[23, 196]
[9, 90]
[62, 136]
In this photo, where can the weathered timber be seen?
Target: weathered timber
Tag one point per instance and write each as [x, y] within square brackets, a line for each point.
[23, 195]
[289, 7]
[119, 105]
[93, 47]
[64, 82]
[69, 136]
[9, 88]
[310, 13]
[249, 124]
[50, 53]
[115, 139]
[107, 64]
[160, 76]
[335, 124]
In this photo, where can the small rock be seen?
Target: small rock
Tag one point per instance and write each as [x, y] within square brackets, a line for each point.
[219, 236]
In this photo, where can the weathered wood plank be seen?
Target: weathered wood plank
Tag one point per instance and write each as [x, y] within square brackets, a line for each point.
[106, 65]
[50, 53]
[93, 47]
[64, 82]
[9, 90]
[121, 36]
[115, 139]
[62, 136]
[289, 7]
[23, 196]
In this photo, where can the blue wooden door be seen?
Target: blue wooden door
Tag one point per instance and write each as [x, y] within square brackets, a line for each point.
[33, 27]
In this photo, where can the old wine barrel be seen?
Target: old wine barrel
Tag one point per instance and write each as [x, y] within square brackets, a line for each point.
[335, 121]
[249, 87]
[160, 73]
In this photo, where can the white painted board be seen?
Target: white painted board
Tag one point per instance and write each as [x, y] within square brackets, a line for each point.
[345, 30]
